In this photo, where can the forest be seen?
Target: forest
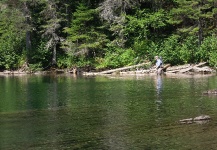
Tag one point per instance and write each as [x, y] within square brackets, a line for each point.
[106, 34]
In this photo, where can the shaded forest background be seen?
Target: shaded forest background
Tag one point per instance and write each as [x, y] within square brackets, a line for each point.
[102, 34]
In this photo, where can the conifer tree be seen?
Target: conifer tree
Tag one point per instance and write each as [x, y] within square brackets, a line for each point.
[51, 30]
[85, 36]
[114, 12]
[194, 17]
[12, 37]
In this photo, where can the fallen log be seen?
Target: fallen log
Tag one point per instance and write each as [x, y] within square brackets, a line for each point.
[165, 67]
[123, 68]
[186, 70]
[200, 64]
[182, 69]
[202, 119]
[202, 69]
[210, 92]
[189, 68]
[173, 68]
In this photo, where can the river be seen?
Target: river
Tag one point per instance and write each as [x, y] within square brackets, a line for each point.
[106, 112]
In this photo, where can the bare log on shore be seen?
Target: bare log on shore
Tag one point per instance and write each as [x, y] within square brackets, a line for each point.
[124, 68]
[182, 69]
[198, 68]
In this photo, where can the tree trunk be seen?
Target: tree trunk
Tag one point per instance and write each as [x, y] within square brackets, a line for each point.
[28, 40]
[28, 32]
[200, 32]
[124, 68]
[54, 61]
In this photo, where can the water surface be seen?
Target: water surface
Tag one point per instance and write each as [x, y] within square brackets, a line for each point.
[123, 113]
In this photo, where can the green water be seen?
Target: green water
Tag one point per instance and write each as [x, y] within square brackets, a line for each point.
[106, 113]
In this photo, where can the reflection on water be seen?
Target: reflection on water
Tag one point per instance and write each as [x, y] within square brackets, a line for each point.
[159, 88]
[66, 112]
[159, 84]
[159, 100]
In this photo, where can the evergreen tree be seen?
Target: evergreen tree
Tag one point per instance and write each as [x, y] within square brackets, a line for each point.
[114, 12]
[194, 17]
[12, 35]
[105, 33]
[51, 29]
[85, 36]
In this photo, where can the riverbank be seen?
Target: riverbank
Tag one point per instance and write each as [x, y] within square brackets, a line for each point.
[139, 69]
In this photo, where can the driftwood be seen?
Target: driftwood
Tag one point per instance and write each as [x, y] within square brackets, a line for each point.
[210, 92]
[190, 68]
[165, 67]
[199, 120]
[147, 71]
[137, 69]
[182, 69]
[123, 68]
[175, 69]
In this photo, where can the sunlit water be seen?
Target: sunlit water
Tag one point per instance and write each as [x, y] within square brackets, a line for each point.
[106, 113]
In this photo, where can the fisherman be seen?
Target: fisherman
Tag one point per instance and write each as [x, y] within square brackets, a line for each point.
[158, 65]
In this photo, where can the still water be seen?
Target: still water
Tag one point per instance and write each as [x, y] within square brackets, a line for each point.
[106, 113]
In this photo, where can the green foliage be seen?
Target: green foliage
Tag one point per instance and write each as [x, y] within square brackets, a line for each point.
[86, 38]
[39, 55]
[213, 59]
[193, 17]
[146, 50]
[170, 50]
[208, 51]
[70, 33]
[136, 27]
[11, 39]
[35, 67]
[81, 29]
[188, 49]
[176, 50]
[145, 24]
[158, 19]
[117, 58]
[69, 60]
[65, 61]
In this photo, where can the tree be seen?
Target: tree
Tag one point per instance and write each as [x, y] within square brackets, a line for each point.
[12, 35]
[85, 35]
[194, 17]
[51, 30]
[114, 12]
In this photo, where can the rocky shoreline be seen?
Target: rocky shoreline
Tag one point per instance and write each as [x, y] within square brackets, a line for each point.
[139, 69]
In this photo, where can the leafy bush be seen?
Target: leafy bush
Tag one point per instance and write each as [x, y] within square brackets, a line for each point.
[117, 58]
[39, 55]
[145, 50]
[188, 49]
[35, 67]
[12, 37]
[208, 51]
[11, 51]
[170, 51]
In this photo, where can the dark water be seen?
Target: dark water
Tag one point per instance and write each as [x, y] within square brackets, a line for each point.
[106, 113]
